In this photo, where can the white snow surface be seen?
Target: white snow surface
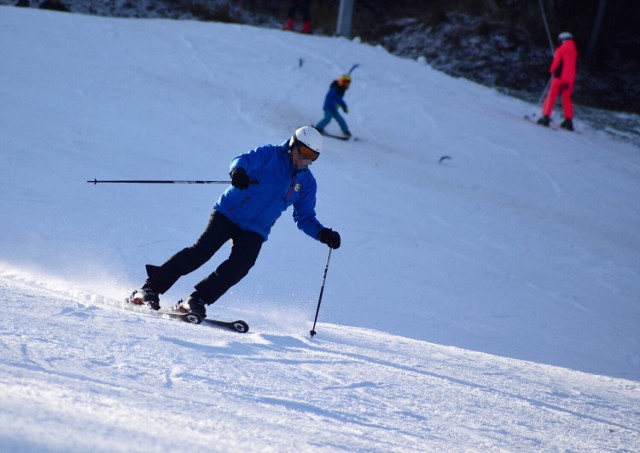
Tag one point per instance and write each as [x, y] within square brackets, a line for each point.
[490, 302]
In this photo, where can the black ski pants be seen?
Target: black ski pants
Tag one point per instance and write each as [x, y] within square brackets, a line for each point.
[245, 248]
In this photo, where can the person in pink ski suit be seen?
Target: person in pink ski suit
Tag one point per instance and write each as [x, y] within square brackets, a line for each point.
[306, 16]
[563, 72]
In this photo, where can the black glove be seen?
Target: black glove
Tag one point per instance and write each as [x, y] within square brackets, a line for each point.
[239, 178]
[329, 237]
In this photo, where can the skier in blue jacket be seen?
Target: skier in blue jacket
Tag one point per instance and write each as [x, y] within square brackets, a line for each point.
[332, 101]
[264, 183]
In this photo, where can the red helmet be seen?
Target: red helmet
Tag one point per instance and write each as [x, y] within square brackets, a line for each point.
[344, 80]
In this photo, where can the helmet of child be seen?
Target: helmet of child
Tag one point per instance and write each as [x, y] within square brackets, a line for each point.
[564, 36]
[344, 80]
[307, 135]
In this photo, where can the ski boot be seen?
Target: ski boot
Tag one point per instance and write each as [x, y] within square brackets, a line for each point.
[193, 305]
[288, 25]
[567, 124]
[306, 28]
[145, 296]
[544, 120]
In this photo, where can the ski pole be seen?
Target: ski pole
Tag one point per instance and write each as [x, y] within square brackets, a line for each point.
[154, 181]
[544, 94]
[357, 65]
[324, 278]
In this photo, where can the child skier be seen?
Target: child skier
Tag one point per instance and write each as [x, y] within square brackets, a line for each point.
[332, 101]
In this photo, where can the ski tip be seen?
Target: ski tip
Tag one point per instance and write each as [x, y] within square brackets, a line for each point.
[237, 326]
[241, 326]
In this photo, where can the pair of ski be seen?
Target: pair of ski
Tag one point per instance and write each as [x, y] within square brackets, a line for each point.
[194, 318]
[534, 121]
[550, 126]
[339, 137]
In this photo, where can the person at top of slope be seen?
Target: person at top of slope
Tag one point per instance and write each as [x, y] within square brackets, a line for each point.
[291, 16]
[563, 72]
[55, 5]
[264, 183]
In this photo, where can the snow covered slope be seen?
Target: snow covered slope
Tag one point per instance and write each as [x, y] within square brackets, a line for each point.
[488, 301]
[91, 376]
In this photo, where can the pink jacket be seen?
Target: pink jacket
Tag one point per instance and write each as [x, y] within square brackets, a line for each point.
[564, 61]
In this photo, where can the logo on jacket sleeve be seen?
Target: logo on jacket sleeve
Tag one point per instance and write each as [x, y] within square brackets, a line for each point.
[297, 187]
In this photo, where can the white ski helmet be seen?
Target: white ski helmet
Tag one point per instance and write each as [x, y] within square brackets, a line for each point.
[564, 36]
[309, 136]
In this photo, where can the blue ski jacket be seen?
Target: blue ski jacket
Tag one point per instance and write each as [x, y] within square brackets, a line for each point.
[333, 99]
[279, 185]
